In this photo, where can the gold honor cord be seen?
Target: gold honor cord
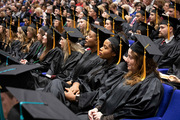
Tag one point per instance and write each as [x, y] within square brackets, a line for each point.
[62, 21]
[69, 47]
[74, 22]
[156, 16]
[98, 42]
[144, 63]
[168, 29]
[147, 30]
[175, 9]
[18, 21]
[30, 19]
[123, 13]
[87, 23]
[40, 20]
[53, 39]
[145, 17]
[120, 51]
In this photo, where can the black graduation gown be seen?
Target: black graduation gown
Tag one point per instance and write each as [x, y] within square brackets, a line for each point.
[98, 81]
[170, 53]
[34, 50]
[61, 69]
[138, 101]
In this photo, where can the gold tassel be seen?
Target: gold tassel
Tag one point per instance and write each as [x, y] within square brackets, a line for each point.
[144, 63]
[36, 27]
[74, 22]
[18, 22]
[87, 23]
[104, 22]
[51, 19]
[120, 49]
[147, 30]
[175, 9]
[30, 19]
[145, 17]
[98, 42]
[168, 29]
[10, 31]
[69, 47]
[123, 13]
[53, 39]
[62, 21]
[113, 28]
[156, 16]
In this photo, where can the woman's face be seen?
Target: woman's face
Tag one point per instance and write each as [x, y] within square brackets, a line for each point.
[82, 23]
[104, 14]
[56, 23]
[106, 51]
[96, 23]
[29, 34]
[69, 22]
[61, 42]
[1, 29]
[81, 15]
[91, 39]
[152, 17]
[44, 40]
[7, 32]
[108, 25]
[131, 62]
[39, 36]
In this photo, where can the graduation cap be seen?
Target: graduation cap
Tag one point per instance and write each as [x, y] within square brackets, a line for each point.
[157, 11]
[12, 27]
[72, 34]
[120, 45]
[39, 20]
[7, 58]
[28, 17]
[35, 25]
[95, 8]
[74, 18]
[102, 35]
[3, 24]
[55, 34]
[145, 14]
[145, 29]
[40, 105]
[85, 12]
[51, 17]
[117, 20]
[175, 6]
[24, 28]
[100, 20]
[18, 76]
[89, 20]
[169, 21]
[146, 47]
[122, 12]
[45, 28]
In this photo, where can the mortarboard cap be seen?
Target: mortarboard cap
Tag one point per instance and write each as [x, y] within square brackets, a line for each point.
[146, 47]
[55, 34]
[95, 8]
[145, 42]
[13, 28]
[40, 105]
[172, 21]
[145, 29]
[51, 17]
[73, 35]
[117, 20]
[159, 11]
[58, 17]
[45, 28]
[24, 28]
[100, 20]
[120, 45]
[3, 24]
[18, 76]
[102, 35]
[174, 5]
[122, 12]
[85, 12]
[7, 59]
[145, 14]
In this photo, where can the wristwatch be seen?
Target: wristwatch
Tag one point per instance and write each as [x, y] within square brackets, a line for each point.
[77, 97]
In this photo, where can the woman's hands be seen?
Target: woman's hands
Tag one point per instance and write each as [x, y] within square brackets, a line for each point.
[23, 61]
[94, 114]
[173, 78]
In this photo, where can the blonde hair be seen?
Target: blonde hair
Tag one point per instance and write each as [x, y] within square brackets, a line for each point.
[26, 46]
[39, 10]
[21, 36]
[74, 47]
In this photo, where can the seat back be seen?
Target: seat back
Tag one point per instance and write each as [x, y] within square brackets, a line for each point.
[168, 90]
[173, 110]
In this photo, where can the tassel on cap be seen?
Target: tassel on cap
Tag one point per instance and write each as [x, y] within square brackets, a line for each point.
[69, 47]
[54, 43]
[144, 63]
[120, 51]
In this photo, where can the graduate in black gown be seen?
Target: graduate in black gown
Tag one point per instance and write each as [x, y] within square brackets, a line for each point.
[62, 67]
[139, 92]
[100, 79]
[2, 35]
[89, 61]
[167, 43]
